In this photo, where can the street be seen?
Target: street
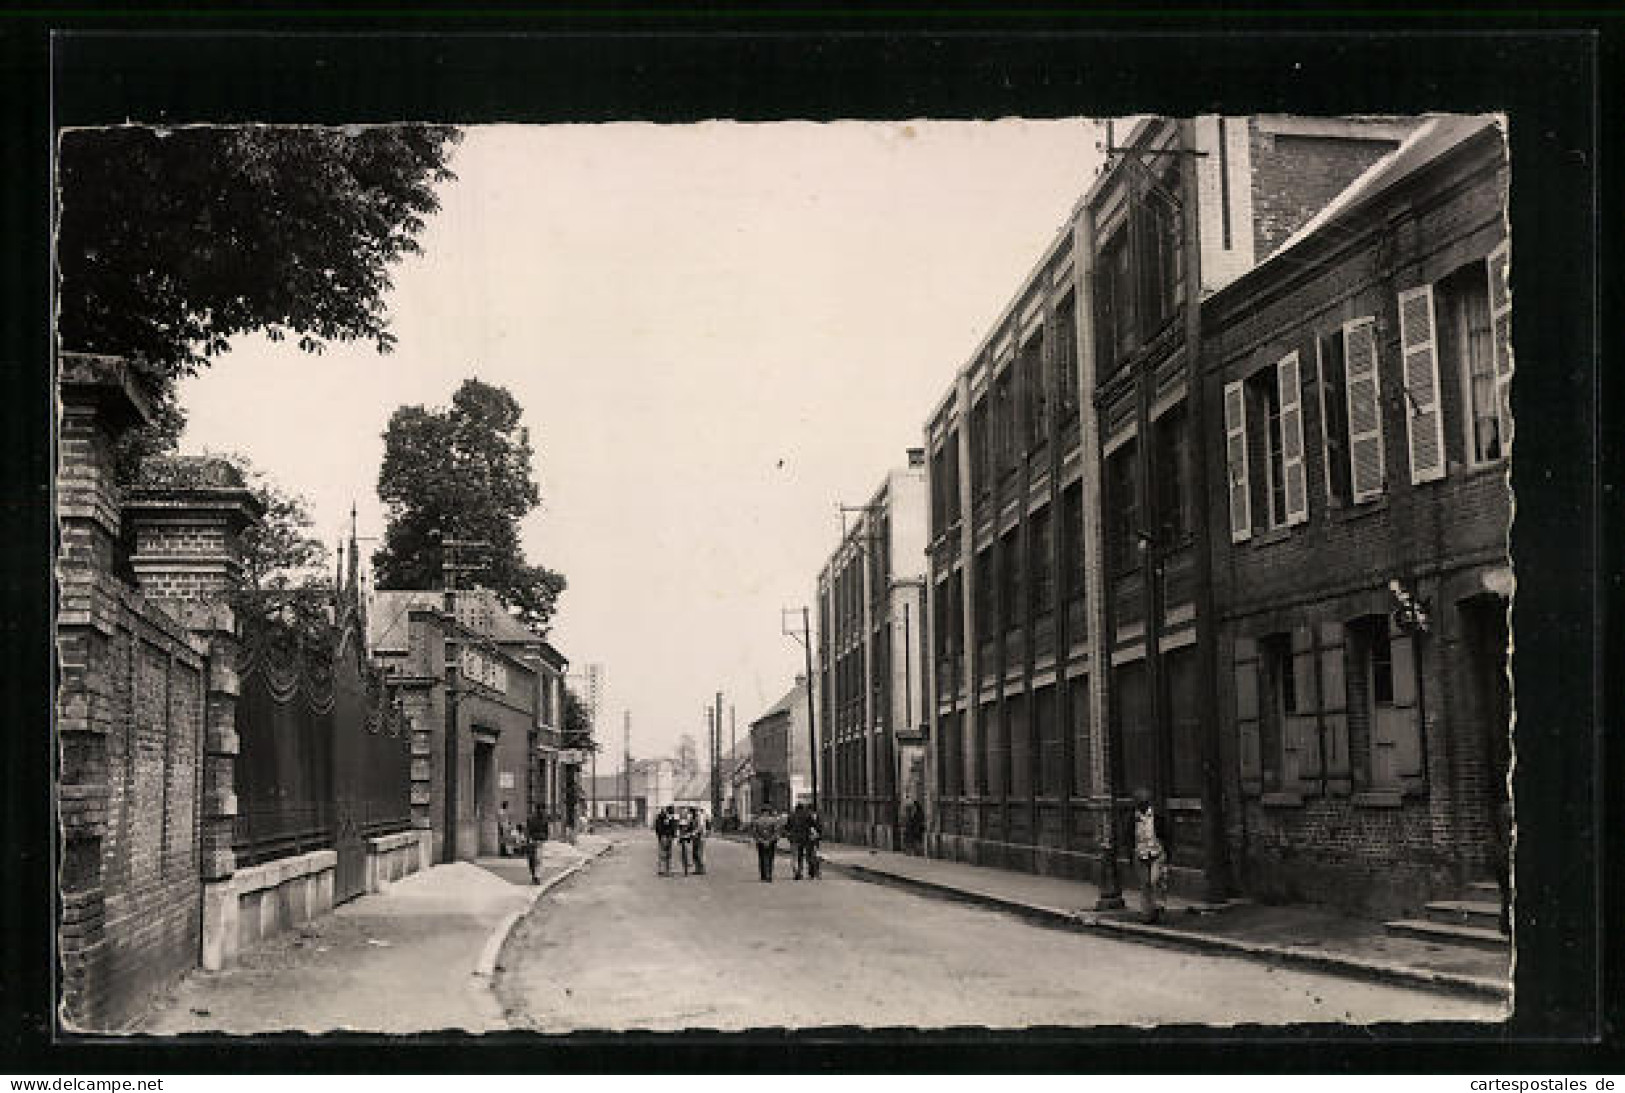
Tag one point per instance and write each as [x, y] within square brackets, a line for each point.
[621, 948]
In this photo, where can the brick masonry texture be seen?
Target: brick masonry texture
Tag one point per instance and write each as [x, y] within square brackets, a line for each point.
[1441, 539]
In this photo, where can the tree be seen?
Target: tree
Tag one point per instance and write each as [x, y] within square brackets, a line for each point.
[463, 473]
[687, 758]
[577, 723]
[171, 242]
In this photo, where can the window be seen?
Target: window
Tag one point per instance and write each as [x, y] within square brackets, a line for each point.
[1114, 303]
[979, 468]
[1161, 274]
[939, 491]
[1362, 390]
[1334, 427]
[1385, 716]
[950, 488]
[1264, 430]
[1042, 563]
[1466, 343]
[1174, 518]
[1018, 732]
[1123, 509]
[1004, 422]
[1010, 561]
[1419, 360]
[1066, 353]
[985, 623]
[1072, 563]
[1077, 691]
[1052, 771]
[1033, 381]
[1279, 699]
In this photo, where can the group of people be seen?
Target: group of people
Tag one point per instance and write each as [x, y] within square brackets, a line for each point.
[523, 840]
[801, 828]
[687, 832]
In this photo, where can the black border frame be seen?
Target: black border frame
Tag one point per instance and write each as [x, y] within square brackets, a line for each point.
[82, 66]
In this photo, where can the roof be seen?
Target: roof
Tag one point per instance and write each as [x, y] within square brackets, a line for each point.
[785, 705]
[1426, 144]
[477, 609]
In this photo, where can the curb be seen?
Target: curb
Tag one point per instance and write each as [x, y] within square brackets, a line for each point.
[1334, 963]
[489, 955]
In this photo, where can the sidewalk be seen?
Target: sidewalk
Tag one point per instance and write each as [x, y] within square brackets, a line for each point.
[1294, 934]
[408, 959]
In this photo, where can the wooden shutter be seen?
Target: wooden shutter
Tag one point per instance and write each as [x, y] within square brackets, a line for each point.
[1333, 695]
[1407, 734]
[1303, 727]
[1235, 441]
[1419, 353]
[1246, 676]
[1289, 385]
[1501, 339]
[1362, 389]
[1326, 444]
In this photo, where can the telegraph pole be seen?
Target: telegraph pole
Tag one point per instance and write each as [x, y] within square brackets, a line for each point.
[626, 762]
[804, 636]
[716, 738]
[450, 567]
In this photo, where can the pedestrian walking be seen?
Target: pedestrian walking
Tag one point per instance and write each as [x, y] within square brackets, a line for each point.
[765, 829]
[504, 830]
[815, 839]
[1151, 843]
[799, 830]
[535, 836]
[914, 828]
[665, 835]
[695, 844]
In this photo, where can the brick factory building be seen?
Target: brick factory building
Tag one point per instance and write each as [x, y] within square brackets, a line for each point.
[871, 644]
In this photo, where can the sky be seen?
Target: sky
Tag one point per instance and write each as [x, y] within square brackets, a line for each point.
[718, 333]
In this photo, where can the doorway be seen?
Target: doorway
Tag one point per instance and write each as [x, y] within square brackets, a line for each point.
[1484, 641]
[485, 818]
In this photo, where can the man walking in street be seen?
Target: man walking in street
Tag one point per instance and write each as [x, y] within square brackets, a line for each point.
[802, 831]
[765, 829]
[1150, 854]
[535, 836]
[695, 844]
[665, 835]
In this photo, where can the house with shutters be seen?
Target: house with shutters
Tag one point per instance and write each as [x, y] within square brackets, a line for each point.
[1358, 379]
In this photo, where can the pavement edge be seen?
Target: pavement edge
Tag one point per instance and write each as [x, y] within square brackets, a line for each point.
[486, 968]
[1337, 964]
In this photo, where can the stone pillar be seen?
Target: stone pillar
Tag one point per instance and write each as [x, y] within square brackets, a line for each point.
[187, 519]
[99, 401]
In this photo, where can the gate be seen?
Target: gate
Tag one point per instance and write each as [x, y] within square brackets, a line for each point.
[324, 755]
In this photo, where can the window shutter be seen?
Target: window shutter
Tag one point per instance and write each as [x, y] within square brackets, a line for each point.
[1289, 384]
[1325, 421]
[1361, 387]
[1501, 339]
[1407, 733]
[1419, 352]
[1333, 696]
[1304, 727]
[1246, 675]
[1235, 441]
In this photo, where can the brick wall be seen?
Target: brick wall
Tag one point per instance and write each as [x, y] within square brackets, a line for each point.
[1444, 540]
[1295, 176]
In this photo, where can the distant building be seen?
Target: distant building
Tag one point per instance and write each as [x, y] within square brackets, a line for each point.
[871, 643]
[508, 699]
[779, 757]
[634, 795]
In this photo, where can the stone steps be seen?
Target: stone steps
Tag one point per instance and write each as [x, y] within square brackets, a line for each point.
[1466, 912]
[1477, 937]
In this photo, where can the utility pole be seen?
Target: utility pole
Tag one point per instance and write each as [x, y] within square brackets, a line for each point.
[450, 567]
[733, 753]
[804, 636]
[716, 739]
[626, 763]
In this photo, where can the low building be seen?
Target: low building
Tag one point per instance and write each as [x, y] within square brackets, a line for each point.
[1361, 375]
[780, 760]
[467, 666]
[635, 793]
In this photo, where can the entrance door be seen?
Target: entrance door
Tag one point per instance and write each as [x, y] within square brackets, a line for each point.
[485, 821]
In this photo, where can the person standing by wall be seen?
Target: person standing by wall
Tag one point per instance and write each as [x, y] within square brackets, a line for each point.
[765, 829]
[1150, 854]
[696, 841]
[535, 836]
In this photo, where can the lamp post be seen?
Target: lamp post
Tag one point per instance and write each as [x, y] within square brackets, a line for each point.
[804, 636]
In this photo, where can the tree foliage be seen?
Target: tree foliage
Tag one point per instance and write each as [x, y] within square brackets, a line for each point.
[463, 473]
[577, 723]
[171, 242]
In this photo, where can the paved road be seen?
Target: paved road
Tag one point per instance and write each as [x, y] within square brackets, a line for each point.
[620, 948]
